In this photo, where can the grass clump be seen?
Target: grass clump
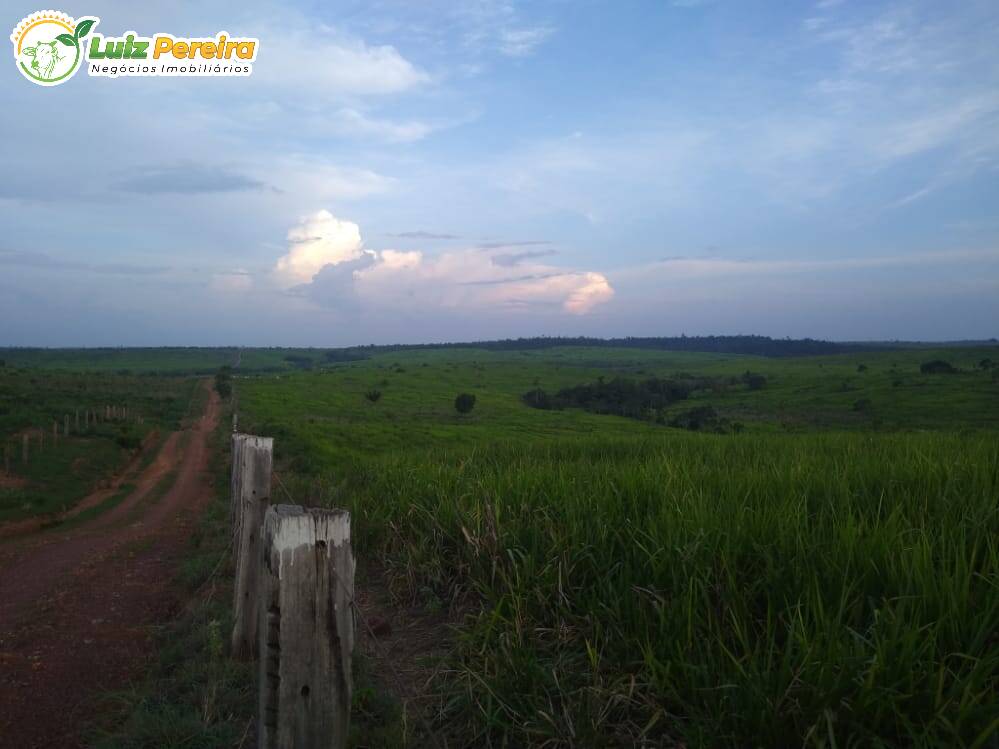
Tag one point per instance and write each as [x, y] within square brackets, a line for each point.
[727, 591]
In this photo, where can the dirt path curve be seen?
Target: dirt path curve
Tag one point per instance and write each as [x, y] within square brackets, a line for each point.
[75, 606]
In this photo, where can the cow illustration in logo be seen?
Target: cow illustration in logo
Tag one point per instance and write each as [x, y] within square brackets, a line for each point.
[47, 46]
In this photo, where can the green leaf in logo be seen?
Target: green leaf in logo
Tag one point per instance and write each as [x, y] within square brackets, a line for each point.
[83, 28]
[67, 40]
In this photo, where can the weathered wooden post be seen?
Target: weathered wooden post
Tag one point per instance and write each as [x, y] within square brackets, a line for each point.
[65, 424]
[6, 459]
[24, 448]
[252, 499]
[306, 628]
[235, 480]
[77, 427]
[55, 432]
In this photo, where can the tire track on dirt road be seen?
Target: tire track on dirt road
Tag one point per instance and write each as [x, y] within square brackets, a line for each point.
[75, 606]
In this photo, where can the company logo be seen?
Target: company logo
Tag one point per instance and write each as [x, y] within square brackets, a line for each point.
[50, 47]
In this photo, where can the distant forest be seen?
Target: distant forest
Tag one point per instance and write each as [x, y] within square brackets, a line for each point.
[720, 344]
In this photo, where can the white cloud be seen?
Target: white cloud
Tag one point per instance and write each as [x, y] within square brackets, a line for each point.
[327, 263]
[318, 240]
[522, 42]
[321, 64]
[352, 122]
[469, 280]
[308, 176]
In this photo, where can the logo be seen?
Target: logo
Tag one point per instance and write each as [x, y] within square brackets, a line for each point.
[48, 46]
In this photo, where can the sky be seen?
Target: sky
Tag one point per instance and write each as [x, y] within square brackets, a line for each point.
[398, 171]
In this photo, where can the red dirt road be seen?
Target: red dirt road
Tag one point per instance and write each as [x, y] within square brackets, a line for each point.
[75, 606]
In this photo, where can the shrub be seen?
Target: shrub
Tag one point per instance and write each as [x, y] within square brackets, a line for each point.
[464, 403]
[538, 398]
[702, 418]
[937, 366]
[754, 380]
[373, 395]
[861, 367]
[223, 382]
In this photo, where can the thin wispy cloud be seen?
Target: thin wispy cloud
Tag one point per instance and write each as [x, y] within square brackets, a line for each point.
[422, 235]
[188, 179]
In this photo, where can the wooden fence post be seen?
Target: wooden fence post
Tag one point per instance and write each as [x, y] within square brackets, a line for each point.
[252, 498]
[306, 628]
[55, 432]
[235, 479]
[24, 448]
[65, 424]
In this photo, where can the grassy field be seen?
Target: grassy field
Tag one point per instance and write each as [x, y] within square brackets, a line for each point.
[829, 576]
[164, 360]
[826, 575]
[59, 472]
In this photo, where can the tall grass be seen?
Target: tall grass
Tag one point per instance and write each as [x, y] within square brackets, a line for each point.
[823, 590]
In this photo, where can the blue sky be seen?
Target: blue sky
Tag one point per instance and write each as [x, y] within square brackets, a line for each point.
[400, 171]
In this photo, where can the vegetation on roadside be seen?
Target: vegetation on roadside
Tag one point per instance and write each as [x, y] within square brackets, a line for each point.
[62, 469]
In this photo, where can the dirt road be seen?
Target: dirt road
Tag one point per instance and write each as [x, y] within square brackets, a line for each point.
[75, 606]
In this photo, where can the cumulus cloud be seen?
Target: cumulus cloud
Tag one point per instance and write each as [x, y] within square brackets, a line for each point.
[318, 240]
[327, 263]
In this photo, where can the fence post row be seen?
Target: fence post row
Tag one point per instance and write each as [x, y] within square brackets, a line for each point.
[252, 497]
[293, 605]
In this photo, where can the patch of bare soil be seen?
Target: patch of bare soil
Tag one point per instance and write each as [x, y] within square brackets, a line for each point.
[76, 606]
[12, 482]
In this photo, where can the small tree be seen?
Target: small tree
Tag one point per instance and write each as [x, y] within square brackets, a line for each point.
[464, 403]
[223, 382]
[373, 395]
[937, 366]
[861, 367]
